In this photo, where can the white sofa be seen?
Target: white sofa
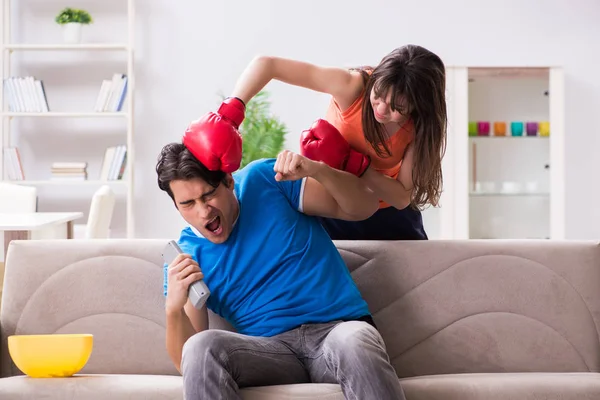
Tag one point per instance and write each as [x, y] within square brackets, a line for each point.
[462, 320]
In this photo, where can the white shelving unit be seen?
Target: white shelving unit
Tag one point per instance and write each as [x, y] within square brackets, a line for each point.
[517, 197]
[8, 49]
[82, 46]
[68, 114]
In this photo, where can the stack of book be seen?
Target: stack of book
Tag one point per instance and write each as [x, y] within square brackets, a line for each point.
[25, 94]
[12, 164]
[113, 165]
[112, 94]
[71, 171]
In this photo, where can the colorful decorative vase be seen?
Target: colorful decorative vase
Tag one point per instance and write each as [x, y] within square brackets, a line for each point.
[499, 128]
[472, 128]
[483, 128]
[516, 128]
[531, 128]
[544, 128]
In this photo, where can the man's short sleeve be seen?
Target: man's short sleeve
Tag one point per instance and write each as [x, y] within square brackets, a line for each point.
[294, 192]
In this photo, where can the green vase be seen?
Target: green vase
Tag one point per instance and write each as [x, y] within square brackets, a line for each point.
[472, 128]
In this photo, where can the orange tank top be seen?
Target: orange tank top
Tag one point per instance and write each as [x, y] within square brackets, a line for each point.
[349, 123]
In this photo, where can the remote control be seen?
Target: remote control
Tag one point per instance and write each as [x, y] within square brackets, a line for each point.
[198, 292]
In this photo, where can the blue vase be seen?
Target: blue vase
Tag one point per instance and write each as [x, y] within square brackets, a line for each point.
[516, 128]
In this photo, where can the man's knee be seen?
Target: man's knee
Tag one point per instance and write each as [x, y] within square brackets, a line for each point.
[354, 338]
[203, 347]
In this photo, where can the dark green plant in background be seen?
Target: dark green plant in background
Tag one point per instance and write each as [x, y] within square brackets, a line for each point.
[69, 15]
[263, 133]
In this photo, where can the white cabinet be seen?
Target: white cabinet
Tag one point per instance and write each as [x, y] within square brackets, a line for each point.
[504, 161]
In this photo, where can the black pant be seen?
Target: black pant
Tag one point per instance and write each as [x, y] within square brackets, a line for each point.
[386, 224]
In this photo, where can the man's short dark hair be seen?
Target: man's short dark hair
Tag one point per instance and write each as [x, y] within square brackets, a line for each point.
[176, 162]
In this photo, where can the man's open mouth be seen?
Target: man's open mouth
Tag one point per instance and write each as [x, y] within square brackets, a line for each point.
[214, 225]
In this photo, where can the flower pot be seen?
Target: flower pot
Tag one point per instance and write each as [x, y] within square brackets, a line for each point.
[72, 32]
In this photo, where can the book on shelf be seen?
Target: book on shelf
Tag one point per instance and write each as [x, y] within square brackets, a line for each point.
[69, 171]
[25, 94]
[112, 94]
[114, 163]
[12, 164]
[113, 166]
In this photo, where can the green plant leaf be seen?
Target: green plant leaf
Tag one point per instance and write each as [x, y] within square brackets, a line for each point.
[69, 15]
[263, 134]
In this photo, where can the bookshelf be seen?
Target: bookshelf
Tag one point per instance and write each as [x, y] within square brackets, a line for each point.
[68, 114]
[83, 46]
[25, 101]
[88, 182]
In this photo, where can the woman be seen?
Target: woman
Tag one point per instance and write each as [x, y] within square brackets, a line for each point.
[394, 113]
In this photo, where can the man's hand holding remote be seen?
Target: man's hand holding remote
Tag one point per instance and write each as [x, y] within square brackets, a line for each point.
[182, 272]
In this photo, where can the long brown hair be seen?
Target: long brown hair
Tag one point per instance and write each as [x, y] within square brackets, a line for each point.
[419, 75]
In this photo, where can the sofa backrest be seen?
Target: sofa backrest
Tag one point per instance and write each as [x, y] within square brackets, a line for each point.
[442, 307]
[110, 288]
[483, 306]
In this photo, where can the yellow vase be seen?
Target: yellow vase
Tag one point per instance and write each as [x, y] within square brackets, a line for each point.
[544, 128]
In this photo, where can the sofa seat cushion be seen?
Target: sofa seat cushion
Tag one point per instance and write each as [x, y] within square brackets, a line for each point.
[93, 387]
[144, 387]
[504, 386]
[301, 391]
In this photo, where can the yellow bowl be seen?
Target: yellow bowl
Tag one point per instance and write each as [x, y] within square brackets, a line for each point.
[46, 356]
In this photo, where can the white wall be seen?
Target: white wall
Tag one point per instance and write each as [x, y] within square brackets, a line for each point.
[190, 51]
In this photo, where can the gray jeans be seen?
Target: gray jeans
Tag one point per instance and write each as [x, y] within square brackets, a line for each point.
[216, 363]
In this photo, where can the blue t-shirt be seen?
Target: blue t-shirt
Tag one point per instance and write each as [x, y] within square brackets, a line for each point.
[278, 269]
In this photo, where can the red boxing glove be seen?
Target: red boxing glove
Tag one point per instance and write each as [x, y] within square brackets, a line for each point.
[215, 140]
[323, 142]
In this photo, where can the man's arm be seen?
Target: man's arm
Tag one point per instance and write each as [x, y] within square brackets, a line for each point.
[183, 320]
[323, 142]
[338, 194]
[328, 192]
[179, 330]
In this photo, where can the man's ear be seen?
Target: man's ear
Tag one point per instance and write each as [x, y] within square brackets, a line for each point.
[229, 182]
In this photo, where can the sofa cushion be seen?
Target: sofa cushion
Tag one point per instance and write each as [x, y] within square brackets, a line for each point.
[144, 387]
[304, 391]
[450, 307]
[109, 288]
[504, 386]
[522, 386]
[443, 307]
[93, 387]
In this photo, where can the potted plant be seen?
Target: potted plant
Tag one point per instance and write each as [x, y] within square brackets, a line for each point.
[72, 19]
[263, 133]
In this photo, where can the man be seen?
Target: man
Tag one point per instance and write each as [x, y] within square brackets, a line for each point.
[272, 270]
